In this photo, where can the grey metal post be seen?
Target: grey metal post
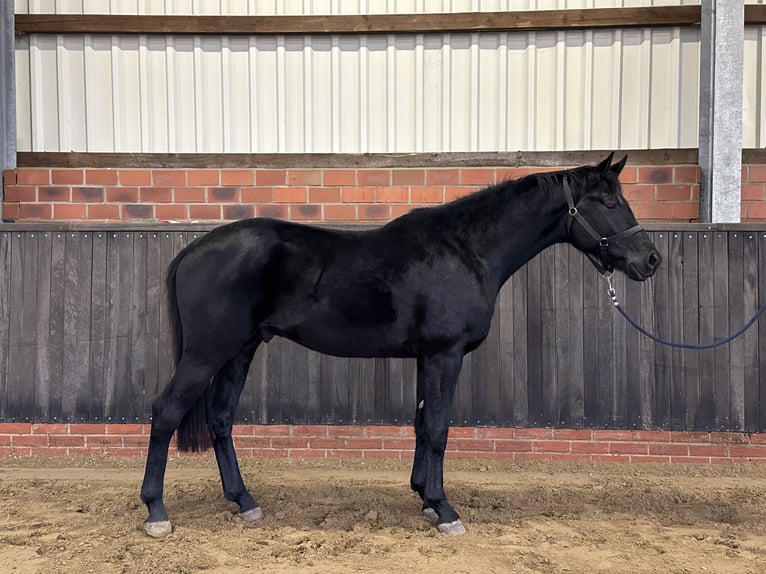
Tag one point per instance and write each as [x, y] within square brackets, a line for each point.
[7, 92]
[720, 139]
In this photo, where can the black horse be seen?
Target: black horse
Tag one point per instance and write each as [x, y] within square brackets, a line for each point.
[422, 286]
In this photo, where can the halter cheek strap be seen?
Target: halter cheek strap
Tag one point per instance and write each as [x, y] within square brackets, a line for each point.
[601, 262]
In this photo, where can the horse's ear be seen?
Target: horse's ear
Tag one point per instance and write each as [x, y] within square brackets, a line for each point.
[603, 167]
[617, 167]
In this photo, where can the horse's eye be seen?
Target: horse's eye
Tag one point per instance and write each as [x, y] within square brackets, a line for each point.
[610, 203]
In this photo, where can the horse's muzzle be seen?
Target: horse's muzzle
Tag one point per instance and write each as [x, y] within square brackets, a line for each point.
[641, 270]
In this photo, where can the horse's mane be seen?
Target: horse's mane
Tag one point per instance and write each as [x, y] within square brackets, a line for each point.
[465, 209]
[508, 188]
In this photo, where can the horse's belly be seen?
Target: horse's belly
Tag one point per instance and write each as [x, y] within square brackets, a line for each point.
[342, 340]
[350, 341]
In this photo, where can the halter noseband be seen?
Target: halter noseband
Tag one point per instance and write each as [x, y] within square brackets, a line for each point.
[601, 262]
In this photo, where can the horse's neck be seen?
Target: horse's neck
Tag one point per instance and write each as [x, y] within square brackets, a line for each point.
[528, 223]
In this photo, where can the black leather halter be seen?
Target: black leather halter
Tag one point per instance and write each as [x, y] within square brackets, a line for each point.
[602, 262]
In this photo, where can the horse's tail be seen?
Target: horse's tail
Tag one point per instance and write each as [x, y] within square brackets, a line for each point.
[192, 433]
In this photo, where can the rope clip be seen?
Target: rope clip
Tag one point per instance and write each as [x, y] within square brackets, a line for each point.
[610, 288]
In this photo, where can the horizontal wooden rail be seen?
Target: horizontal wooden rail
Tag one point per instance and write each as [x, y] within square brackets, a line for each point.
[349, 160]
[533, 20]
[755, 14]
[361, 160]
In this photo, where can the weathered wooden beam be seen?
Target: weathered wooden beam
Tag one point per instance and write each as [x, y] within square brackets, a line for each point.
[755, 14]
[346, 160]
[650, 16]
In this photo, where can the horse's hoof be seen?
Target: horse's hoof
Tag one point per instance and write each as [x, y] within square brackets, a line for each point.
[158, 529]
[431, 515]
[252, 515]
[452, 528]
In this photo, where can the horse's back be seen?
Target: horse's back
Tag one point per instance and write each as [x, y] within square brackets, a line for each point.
[254, 242]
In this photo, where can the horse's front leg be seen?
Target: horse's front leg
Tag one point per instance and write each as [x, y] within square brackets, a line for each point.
[437, 378]
[418, 476]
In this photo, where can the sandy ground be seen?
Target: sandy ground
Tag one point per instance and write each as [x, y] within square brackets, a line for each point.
[80, 516]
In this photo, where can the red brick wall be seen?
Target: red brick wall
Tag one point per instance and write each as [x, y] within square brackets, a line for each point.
[315, 195]
[753, 192]
[393, 442]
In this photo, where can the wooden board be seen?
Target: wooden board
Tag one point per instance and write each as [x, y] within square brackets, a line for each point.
[654, 16]
[98, 319]
[23, 327]
[535, 356]
[690, 306]
[675, 310]
[736, 307]
[5, 322]
[559, 159]
[706, 289]
[592, 305]
[520, 335]
[155, 310]
[43, 371]
[722, 362]
[663, 364]
[751, 355]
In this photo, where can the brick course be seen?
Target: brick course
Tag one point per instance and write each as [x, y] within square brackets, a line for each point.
[395, 442]
[661, 193]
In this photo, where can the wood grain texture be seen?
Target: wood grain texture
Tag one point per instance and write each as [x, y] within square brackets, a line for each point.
[706, 289]
[352, 160]
[5, 321]
[721, 304]
[533, 20]
[690, 371]
[89, 342]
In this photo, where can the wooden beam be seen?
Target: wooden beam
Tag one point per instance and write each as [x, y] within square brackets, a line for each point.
[346, 160]
[575, 19]
[755, 14]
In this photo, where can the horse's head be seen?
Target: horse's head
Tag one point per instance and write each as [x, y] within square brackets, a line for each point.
[602, 225]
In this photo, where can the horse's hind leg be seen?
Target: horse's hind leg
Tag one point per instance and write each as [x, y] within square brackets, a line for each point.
[185, 387]
[225, 394]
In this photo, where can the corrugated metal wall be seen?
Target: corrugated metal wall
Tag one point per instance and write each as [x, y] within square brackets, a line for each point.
[396, 93]
[754, 92]
[511, 91]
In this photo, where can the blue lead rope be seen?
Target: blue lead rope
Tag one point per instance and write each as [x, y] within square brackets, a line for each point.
[640, 329]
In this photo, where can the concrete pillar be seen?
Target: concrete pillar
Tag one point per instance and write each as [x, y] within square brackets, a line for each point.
[720, 138]
[7, 90]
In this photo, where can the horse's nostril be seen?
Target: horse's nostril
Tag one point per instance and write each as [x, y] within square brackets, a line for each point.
[654, 259]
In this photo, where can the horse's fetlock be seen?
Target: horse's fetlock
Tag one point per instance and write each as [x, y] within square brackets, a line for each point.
[419, 488]
[231, 496]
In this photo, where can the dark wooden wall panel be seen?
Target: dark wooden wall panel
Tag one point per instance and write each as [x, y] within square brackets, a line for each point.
[84, 338]
[5, 321]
